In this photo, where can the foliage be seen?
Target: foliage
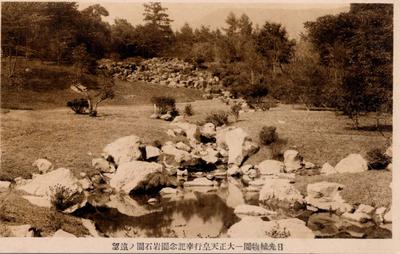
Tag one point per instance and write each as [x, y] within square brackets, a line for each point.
[377, 159]
[62, 197]
[188, 110]
[5, 231]
[79, 106]
[268, 135]
[235, 109]
[277, 232]
[218, 118]
[164, 104]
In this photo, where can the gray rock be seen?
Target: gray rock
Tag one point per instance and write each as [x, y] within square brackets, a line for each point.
[327, 169]
[152, 152]
[353, 163]
[103, 165]
[201, 181]
[4, 186]
[124, 149]
[281, 190]
[270, 167]
[252, 210]
[43, 165]
[62, 234]
[292, 160]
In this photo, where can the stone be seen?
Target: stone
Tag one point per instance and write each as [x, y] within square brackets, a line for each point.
[353, 163]
[255, 227]
[166, 117]
[168, 191]
[238, 143]
[178, 119]
[327, 169]
[152, 152]
[211, 156]
[257, 182]
[379, 214]
[178, 154]
[270, 167]
[326, 196]
[170, 133]
[234, 170]
[4, 186]
[91, 227]
[155, 116]
[252, 210]
[388, 217]
[208, 130]
[201, 181]
[124, 149]
[246, 168]
[389, 152]
[44, 186]
[183, 146]
[192, 131]
[281, 190]
[21, 230]
[389, 167]
[103, 165]
[43, 165]
[130, 174]
[292, 160]
[182, 172]
[309, 165]
[357, 216]
[152, 201]
[253, 173]
[367, 209]
[85, 183]
[62, 234]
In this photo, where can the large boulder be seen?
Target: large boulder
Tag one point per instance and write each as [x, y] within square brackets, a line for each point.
[353, 163]
[124, 149]
[326, 196]
[43, 165]
[328, 169]
[192, 131]
[179, 155]
[280, 190]
[130, 174]
[255, 227]
[270, 167]
[292, 160]
[43, 188]
[238, 142]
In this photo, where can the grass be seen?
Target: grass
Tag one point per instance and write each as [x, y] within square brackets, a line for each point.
[370, 188]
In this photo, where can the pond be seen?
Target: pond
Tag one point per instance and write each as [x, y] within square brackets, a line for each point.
[199, 212]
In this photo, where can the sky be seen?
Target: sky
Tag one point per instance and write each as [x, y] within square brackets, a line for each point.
[291, 15]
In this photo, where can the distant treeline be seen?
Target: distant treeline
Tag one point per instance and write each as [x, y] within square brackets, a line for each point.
[342, 61]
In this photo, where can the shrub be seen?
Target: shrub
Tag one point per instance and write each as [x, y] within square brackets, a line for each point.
[5, 231]
[235, 108]
[62, 197]
[79, 106]
[277, 232]
[188, 110]
[164, 104]
[377, 159]
[218, 118]
[268, 135]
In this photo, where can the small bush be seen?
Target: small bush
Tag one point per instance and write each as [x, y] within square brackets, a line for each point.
[235, 108]
[377, 159]
[164, 104]
[268, 135]
[278, 232]
[217, 118]
[5, 231]
[188, 110]
[63, 197]
[79, 106]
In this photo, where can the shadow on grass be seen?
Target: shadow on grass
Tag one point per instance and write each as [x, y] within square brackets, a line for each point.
[386, 127]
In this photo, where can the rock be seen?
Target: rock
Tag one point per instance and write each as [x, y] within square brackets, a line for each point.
[238, 143]
[130, 174]
[4, 186]
[252, 210]
[309, 165]
[211, 156]
[327, 169]
[82, 174]
[326, 196]
[246, 168]
[62, 234]
[44, 187]
[246, 179]
[357, 216]
[103, 165]
[257, 182]
[270, 167]
[353, 163]
[152, 201]
[201, 181]
[208, 130]
[166, 117]
[255, 227]
[152, 152]
[170, 133]
[43, 165]
[85, 183]
[281, 190]
[253, 173]
[179, 155]
[388, 217]
[292, 160]
[234, 170]
[183, 146]
[21, 230]
[389, 167]
[40, 201]
[128, 206]
[168, 191]
[191, 130]
[155, 116]
[91, 227]
[365, 209]
[124, 149]
[389, 152]
[179, 119]
[379, 214]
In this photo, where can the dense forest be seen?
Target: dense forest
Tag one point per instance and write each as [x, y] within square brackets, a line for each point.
[342, 61]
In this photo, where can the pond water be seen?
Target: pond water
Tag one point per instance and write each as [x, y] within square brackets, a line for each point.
[206, 212]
